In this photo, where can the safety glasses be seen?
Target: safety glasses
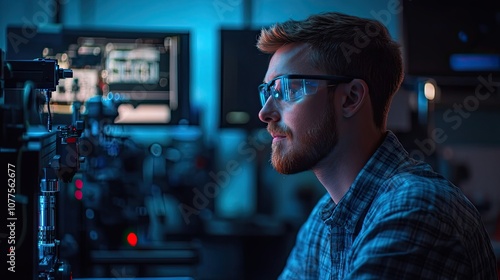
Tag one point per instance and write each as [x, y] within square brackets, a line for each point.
[291, 88]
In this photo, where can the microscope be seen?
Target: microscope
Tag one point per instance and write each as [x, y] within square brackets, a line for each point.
[38, 159]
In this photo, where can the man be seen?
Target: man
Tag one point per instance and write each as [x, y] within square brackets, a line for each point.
[325, 100]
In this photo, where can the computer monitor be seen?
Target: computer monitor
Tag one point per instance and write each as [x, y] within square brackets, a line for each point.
[146, 72]
[243, 68]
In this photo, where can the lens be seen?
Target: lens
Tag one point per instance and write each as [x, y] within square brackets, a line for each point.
[262, 99]
[288, 89]
[295, 89]
[264, 94]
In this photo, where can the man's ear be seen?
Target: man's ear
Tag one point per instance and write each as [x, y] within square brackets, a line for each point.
[357, 93]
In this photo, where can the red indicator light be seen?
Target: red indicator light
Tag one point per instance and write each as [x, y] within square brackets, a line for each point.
[132, 239]
[79, 184]
[78, 194]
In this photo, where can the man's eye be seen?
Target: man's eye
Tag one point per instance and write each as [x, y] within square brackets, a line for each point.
[275, 92]
[276, 89]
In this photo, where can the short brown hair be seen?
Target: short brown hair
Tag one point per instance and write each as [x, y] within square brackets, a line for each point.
[345, 45]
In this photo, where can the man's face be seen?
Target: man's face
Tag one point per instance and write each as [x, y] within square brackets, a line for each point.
[303, 131]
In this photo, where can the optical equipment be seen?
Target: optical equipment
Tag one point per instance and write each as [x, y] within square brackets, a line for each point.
[40, 159]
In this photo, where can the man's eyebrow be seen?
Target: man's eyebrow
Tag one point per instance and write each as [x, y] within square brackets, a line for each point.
[275, 76]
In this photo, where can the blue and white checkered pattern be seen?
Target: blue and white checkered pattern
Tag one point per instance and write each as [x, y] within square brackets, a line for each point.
[398, 220]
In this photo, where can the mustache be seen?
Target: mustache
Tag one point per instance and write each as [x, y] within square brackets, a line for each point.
[278, 129]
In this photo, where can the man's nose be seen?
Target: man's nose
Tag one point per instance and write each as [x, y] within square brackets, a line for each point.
[269, 113]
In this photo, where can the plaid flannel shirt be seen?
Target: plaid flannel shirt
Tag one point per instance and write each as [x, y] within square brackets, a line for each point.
[398, 220]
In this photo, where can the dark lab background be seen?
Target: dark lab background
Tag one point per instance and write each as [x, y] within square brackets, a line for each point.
[176, 180]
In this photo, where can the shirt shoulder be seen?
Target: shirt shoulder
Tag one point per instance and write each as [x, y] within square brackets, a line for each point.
[423, 189]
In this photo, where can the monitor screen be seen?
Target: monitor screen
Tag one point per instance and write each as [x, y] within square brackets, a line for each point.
[145, 72]
[243, 68]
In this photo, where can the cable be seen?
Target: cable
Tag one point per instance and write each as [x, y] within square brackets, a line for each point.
[49, 114]
[29, 88]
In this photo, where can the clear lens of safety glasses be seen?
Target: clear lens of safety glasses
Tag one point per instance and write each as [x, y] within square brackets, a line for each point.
[291, 88]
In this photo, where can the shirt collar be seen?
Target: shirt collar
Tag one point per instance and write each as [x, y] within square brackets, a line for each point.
[358, 198]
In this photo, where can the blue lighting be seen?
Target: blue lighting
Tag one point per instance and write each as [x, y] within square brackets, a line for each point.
[462, 36]
[475, 62]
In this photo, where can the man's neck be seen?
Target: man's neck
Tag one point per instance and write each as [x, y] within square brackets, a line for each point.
[340, 168]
